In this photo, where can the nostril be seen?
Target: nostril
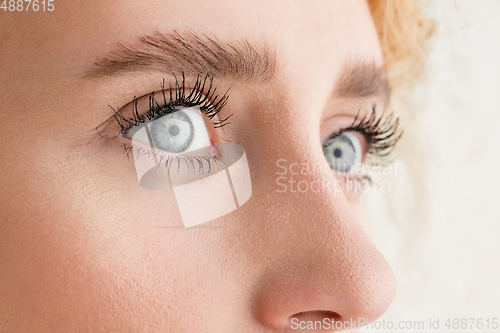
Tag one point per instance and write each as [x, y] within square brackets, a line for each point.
[316, 314]
[324, 317]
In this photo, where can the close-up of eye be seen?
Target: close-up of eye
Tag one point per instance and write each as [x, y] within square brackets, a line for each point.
[343, 151]
[179, 131]
[242, 166]
[367, 142]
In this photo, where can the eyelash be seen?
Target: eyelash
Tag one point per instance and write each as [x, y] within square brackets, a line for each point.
[203, 95]
[381, 136]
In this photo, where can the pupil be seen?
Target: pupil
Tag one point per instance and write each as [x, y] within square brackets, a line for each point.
[337, 153]
[173, 130]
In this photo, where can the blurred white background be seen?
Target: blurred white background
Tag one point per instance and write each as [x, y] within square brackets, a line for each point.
[439, 227]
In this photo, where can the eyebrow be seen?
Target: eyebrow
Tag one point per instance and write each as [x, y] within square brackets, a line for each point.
[362, 79]
[189, 53]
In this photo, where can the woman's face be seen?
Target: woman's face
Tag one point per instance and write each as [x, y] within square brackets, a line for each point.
[85, 247]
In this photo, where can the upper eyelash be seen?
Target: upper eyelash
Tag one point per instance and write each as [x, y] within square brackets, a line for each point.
[381, 136]
[202, 94]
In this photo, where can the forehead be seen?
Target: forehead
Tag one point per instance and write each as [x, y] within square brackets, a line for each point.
[304, 34]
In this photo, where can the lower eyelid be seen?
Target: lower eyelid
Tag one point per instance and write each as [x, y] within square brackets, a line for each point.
[174, 163]
[354, 183]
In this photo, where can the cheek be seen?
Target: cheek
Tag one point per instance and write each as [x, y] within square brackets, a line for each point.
[77, 244]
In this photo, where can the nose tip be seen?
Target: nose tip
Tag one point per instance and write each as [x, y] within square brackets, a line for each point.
[302, 299]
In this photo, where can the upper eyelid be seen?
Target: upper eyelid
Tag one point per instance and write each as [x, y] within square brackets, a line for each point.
[202, 93]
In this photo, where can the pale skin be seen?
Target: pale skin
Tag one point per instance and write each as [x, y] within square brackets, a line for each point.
[79, 250]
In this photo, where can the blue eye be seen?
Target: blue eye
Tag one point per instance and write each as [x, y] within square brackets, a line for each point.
[172, 132]
[177, 132]
[342, 152]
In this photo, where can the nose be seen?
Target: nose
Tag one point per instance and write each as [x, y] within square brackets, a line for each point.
[323, 271]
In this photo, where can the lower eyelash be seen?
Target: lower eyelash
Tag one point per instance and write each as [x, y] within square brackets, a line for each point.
[199, 163]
